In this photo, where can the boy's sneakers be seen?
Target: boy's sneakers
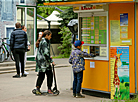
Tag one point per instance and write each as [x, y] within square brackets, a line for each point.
[74, 94]
[16, 76]
[78, 95]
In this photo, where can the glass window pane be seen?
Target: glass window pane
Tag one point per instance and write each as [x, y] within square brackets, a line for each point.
[20, 15]
[30, 29]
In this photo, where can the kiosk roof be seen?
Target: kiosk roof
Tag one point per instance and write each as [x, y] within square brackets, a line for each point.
[79, 2]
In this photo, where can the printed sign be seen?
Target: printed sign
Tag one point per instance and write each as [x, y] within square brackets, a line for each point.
[115, 32]
[92, 64]
[119, 64]
[103, 51]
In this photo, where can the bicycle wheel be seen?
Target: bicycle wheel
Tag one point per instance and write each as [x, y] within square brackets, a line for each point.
[11, 55]
[2, 55]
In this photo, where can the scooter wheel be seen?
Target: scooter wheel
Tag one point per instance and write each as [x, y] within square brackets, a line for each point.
[56, 92]
[34, 91]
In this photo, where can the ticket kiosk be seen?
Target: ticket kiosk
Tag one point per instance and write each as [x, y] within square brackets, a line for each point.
[108, 31]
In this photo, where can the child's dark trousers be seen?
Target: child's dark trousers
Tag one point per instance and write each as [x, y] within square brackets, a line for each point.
[77, 82]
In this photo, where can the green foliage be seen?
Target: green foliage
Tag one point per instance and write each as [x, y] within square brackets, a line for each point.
[123, 93]
[122, 81]
[133, 99]
[126, 84]
[66, 16]
[47, 10]
[44, 11]
[56, 57]
[65, 48]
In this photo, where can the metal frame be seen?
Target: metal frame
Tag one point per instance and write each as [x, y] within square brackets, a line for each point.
[135, 48]
[107, 33]
[9, 27]
[24, 6]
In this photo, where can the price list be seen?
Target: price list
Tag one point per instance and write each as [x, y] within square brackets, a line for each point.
[94, 30]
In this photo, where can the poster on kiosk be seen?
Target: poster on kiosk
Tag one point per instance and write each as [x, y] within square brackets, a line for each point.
[119, 64]
[119, 58]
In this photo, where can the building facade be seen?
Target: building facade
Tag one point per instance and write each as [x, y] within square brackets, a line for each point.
[23, 11]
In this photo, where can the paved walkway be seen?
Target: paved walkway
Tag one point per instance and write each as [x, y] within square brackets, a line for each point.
[19, 89]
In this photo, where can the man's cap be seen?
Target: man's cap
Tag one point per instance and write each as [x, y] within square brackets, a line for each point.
[78, 43]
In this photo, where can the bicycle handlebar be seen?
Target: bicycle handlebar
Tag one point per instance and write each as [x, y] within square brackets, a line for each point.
[2, 43]
[7, 44]
[4, 38]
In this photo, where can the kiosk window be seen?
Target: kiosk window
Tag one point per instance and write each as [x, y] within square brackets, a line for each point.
[94, 33]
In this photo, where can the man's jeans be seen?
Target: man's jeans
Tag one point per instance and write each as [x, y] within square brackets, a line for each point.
[19, 57]
[77, 82]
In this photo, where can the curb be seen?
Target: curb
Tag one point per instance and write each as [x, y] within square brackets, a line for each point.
[30, 69]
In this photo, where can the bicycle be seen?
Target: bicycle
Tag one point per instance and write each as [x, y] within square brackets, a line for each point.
[4, 52]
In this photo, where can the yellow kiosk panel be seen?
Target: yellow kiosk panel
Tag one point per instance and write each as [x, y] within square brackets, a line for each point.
[114, 14]
[137, 42]
[96, 77]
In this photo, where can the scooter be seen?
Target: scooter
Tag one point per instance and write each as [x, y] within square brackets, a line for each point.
[55, 91]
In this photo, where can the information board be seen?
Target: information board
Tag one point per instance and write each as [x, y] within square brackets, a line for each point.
[94, 30]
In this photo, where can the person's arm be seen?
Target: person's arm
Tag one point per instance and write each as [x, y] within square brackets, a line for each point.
[85, 54]
[28, 46]
[26, 40]
[70, 59]
[12, 41]
[36, 52]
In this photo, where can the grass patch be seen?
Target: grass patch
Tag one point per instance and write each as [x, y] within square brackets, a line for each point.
[132, 99]
[56, 57]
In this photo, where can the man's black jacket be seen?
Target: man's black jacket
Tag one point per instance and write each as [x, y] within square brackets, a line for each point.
[18, 39]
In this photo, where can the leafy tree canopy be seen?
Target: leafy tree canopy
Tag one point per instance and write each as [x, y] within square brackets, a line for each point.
[45, 11]
[67, 15]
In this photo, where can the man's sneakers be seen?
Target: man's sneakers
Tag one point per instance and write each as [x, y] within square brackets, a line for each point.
[16, 76]
[26, 72]
[24, 75]
[78, 95]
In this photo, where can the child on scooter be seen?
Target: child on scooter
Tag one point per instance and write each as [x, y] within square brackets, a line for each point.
[43, 61]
